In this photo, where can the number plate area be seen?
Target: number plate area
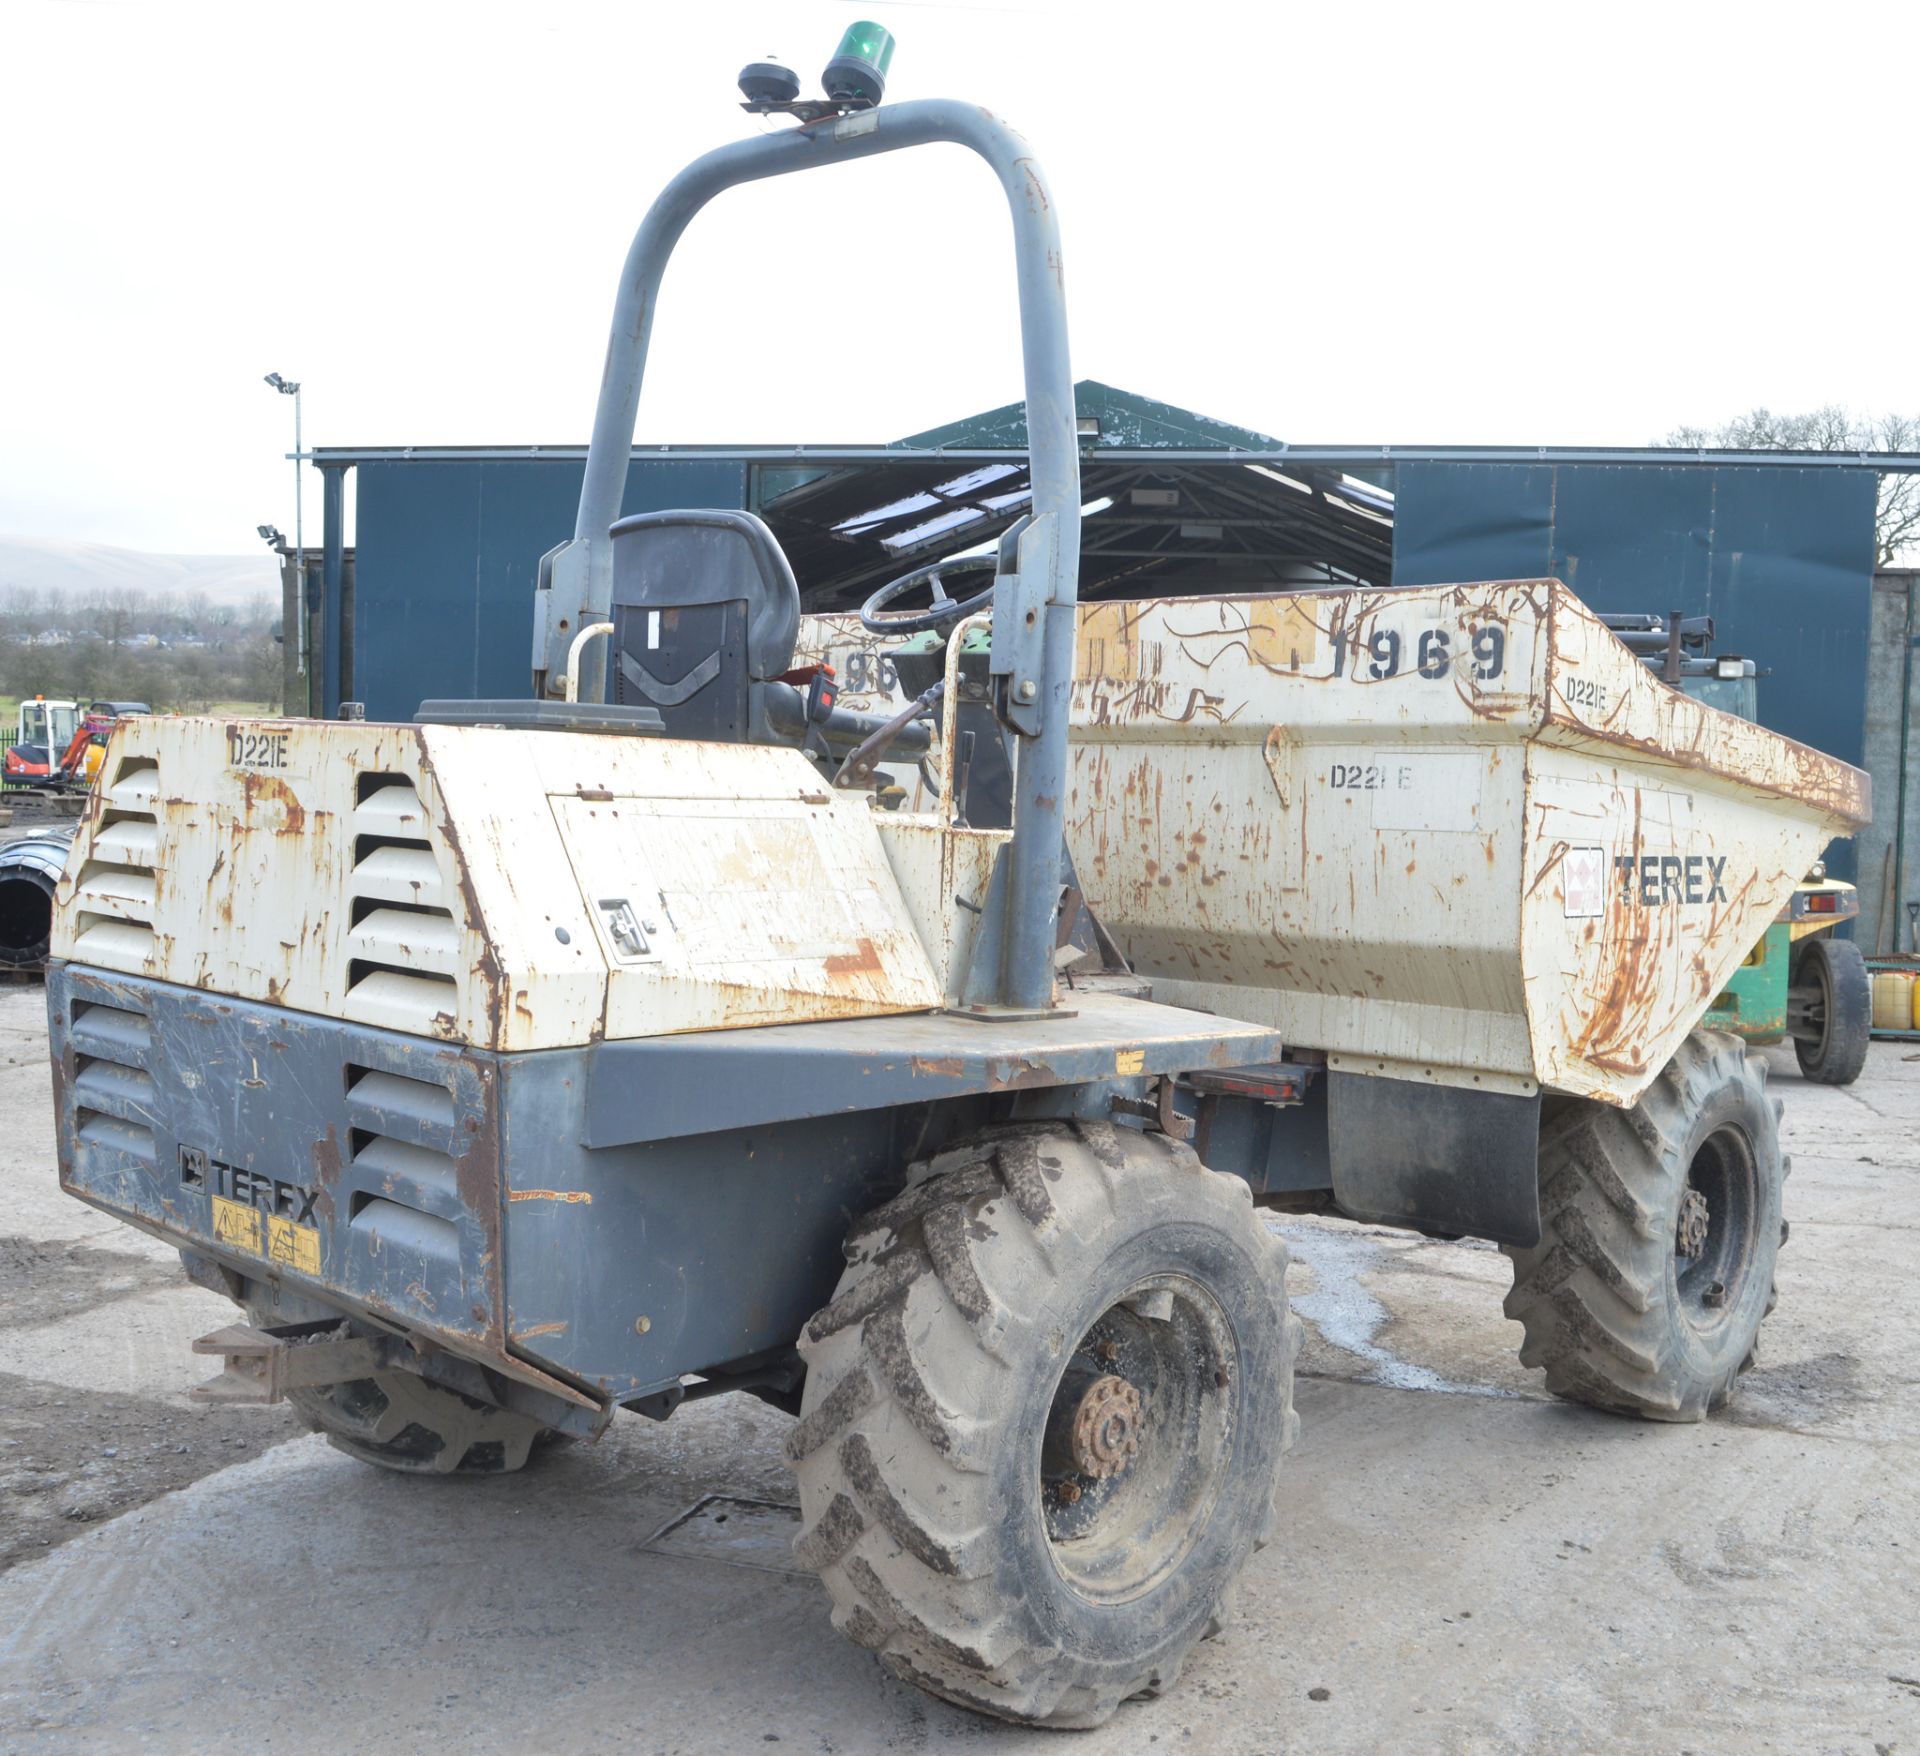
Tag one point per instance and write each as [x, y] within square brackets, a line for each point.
[257, 747]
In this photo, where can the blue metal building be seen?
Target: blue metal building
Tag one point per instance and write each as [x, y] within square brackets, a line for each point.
[1778, 548]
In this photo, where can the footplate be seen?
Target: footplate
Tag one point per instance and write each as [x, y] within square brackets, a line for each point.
[262, 1365]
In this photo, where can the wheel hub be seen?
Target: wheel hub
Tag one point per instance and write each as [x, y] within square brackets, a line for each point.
[1690, 1236]
[1106, 1428]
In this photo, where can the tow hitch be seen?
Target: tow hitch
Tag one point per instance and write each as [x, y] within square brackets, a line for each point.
[260, 1365]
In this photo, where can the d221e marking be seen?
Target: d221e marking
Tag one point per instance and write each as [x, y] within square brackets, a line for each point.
[247, 749]
[1667, 880]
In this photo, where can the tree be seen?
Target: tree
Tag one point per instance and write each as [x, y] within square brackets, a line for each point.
[1832, 428]
[115, 613]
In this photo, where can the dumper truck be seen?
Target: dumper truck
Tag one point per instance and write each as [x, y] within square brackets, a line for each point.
[632, 1043]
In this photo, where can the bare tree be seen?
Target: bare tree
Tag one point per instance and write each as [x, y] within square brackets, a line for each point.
[1832, 428]
[115, 613]
[67, 647]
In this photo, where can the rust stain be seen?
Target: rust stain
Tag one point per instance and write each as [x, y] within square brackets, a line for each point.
[256, 787]
[865, 961]
[539, 1329]
[940, 1066]
[1019, 1073]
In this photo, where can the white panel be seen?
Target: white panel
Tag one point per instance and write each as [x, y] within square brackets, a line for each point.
[751, 913]
[399, 874]
[428, 943]
[129, 842]
[394, 809]
[419, 1005]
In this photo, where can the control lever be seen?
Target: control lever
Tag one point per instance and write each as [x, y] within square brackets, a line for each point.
[858, 768]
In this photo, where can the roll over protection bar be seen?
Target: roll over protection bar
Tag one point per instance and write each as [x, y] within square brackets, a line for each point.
[1033, 620]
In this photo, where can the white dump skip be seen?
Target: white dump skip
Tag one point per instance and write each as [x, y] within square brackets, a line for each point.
[1453, 833]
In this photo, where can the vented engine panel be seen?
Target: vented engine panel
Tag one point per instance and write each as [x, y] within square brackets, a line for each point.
[507, 889]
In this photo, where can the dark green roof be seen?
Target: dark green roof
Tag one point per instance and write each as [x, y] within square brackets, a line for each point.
[1126, 420]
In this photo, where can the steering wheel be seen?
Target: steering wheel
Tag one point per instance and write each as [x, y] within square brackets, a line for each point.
[876, 618]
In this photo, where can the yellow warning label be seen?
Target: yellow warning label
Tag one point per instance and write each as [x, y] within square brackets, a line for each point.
[1130, 1060]
[236, 1225]
[295, 1245]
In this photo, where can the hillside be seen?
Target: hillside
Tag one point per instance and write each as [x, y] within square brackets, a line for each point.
[63, 569]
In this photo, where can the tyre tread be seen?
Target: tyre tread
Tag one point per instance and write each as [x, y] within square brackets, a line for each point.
[1592, 1296]
[909, 1585]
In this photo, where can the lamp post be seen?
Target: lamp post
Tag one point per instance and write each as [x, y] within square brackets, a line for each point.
[287, 388]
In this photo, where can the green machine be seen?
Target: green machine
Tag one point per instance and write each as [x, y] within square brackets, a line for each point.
[1802, 980]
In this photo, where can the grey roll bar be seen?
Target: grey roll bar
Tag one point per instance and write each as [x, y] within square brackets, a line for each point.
[1033, 620]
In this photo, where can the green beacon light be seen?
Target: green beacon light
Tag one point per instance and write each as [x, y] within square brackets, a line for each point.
[857, 74]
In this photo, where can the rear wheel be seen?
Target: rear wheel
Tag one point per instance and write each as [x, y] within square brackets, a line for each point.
[401, 1421]
[1043, 1418]
[1831, 998]
[1660, 1226]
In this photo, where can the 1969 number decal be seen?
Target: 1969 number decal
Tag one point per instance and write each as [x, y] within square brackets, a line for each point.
[1434, 655]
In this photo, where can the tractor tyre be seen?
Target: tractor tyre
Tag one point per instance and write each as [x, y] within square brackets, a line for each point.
[1043, 1418]
[401, 1421]
[1840, 1005]
[1660, 1226]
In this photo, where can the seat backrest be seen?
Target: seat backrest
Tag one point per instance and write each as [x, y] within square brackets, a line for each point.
[704, 606]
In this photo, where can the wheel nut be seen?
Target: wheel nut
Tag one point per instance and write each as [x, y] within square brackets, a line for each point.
[1690, 1235]
[1106, 1428]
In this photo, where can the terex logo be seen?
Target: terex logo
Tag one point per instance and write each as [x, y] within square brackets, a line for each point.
[250, 1188]
[1657, 880]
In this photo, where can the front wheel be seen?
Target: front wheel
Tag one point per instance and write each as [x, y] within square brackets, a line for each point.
[1831, 1002]
[1660, 1226]
[1043, 1419]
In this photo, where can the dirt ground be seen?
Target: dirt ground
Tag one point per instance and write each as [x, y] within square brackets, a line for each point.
[1468, 1566]
[30, 810]
[73, 1454]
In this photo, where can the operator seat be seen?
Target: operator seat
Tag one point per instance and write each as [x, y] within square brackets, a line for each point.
[704, 609]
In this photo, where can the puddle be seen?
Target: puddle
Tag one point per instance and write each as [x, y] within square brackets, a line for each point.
[1349, 1317]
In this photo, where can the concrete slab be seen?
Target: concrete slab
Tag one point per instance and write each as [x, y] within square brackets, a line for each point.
[1467, 1566]
[1460, 1573]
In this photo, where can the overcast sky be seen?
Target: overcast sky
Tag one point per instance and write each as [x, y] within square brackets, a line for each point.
[1430, 223]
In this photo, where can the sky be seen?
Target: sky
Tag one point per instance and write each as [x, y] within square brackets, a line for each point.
[1530, 224]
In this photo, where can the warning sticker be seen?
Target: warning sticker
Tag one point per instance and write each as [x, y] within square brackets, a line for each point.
[1129, 1060]
[297, 1246]
[1583, 882]
[236, 1225]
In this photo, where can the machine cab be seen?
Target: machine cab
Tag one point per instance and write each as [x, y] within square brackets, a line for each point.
[50, 724]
